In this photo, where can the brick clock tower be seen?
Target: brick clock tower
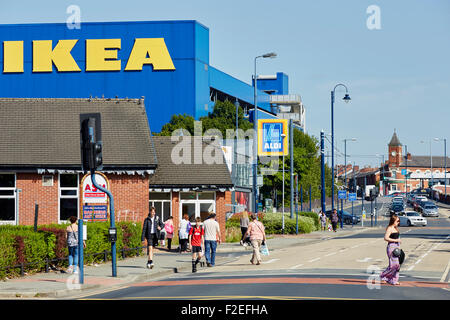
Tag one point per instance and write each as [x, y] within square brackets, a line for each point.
[395, 151]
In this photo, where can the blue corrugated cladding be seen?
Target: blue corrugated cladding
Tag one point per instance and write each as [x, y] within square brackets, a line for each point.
[166, 92]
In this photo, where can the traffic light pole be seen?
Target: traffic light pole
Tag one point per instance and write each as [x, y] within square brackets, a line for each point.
[112, 218]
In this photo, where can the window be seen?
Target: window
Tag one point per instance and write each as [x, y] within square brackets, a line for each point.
[197, 204]
[394, 174]
[7, 198]
[162, 201]
[393, 187]
[68, 196]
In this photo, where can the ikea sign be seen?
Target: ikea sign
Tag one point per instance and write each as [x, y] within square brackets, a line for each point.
[101, 55]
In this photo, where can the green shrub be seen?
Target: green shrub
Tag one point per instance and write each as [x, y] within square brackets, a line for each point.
[20, 244]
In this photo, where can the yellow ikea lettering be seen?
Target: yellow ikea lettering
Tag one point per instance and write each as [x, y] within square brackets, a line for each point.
[43, 56]
[155, 49]
[100, 57]
[12, 56]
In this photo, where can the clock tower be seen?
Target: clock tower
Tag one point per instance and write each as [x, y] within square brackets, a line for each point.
[395, 151]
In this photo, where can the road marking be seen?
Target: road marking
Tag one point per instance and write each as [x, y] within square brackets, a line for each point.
[270, 261]
[365, 259]
[330, 254]
[314, 260]
[426, 253]
[296, 266]
[444, 276]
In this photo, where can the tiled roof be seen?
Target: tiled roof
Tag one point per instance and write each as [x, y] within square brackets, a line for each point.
[195, 169]
[395, 142]
[425, 162]
[45, 133]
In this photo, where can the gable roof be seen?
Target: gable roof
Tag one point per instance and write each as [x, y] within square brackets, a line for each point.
[45, 133]
[425, 162]
[196, 171]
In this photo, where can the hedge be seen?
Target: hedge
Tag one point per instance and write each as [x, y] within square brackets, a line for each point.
[307, 222]
[20, 244]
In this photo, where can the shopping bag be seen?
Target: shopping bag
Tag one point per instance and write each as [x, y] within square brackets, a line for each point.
[264, 250]
[330, 228]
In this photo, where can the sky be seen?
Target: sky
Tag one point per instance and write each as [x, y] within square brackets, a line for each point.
[394, 61]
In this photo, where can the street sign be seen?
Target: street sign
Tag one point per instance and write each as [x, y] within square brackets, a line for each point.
[352, 196]
[342, 194]
[403, 172]
[270, 139]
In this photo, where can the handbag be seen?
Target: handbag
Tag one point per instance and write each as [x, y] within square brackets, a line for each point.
[400, 254]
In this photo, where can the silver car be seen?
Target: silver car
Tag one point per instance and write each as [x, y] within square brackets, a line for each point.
[430, 210]
[412, 218]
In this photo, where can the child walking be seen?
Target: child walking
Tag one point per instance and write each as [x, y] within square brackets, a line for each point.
[197, 237]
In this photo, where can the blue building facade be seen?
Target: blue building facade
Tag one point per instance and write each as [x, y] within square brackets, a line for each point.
[53, 61]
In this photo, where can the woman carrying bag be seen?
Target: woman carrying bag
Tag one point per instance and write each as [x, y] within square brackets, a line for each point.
[257, 238]
[391, 274]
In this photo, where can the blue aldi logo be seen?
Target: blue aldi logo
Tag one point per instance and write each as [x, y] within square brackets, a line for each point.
[272, 137]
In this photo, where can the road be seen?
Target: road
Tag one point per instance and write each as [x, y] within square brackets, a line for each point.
[333, 268]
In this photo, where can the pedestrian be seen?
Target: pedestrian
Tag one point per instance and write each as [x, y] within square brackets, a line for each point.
[257, 237]
[151, 232]
[212, 238]
[323, 220]
[72, 244]
[183, 233]
[391, 274]
[168, 226]
[334, 219]
[196, 234]
[244, 226]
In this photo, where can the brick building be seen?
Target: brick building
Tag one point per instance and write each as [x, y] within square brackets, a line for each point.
[412, 171]
[40, 164]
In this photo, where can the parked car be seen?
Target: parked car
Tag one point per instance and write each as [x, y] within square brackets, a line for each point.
[346, 216]
[429, 209]
[412, 218]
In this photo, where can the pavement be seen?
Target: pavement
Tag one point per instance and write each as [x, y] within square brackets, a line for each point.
[98, 277]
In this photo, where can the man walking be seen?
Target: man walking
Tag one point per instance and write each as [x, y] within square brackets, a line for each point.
[212, 237]
[152, 232]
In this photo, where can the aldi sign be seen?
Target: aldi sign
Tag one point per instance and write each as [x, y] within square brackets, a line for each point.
[270, 137]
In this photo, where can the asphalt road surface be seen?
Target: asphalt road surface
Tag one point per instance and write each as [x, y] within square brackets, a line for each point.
[334, 268]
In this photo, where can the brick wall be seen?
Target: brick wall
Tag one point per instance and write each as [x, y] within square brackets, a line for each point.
[34, 192]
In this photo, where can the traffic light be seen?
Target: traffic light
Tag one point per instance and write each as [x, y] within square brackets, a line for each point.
[90, 142]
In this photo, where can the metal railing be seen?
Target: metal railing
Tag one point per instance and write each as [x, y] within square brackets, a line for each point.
[48, 261]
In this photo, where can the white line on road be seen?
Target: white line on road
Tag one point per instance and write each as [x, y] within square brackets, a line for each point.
[330, 254]
[426, 253]
[296, 266]
[314, 260]
[270, 261]
[446, 272]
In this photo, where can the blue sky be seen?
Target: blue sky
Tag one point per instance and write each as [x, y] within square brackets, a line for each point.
[398, 76]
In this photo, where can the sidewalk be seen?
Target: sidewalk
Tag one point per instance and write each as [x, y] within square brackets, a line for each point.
[99, 277]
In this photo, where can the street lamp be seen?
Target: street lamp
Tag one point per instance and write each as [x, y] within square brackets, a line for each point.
[346, 99]
[255, 130]
[445, 164]
[345, 159]
[283, 136]
[431, 165]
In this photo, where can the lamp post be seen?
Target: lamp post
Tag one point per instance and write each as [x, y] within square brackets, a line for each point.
[345, 159]
[346, 99]
[445, 164]
[283, 136]
[431, 165]
[255, 130]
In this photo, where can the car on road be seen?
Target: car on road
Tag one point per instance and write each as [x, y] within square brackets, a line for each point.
[397, 208]
[412, 218]
[429, 209]
[346, 216]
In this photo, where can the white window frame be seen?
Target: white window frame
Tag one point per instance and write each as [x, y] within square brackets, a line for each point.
[60, 196]
[394, 187]
[14, 196]
[197, 203]
[152, 203]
